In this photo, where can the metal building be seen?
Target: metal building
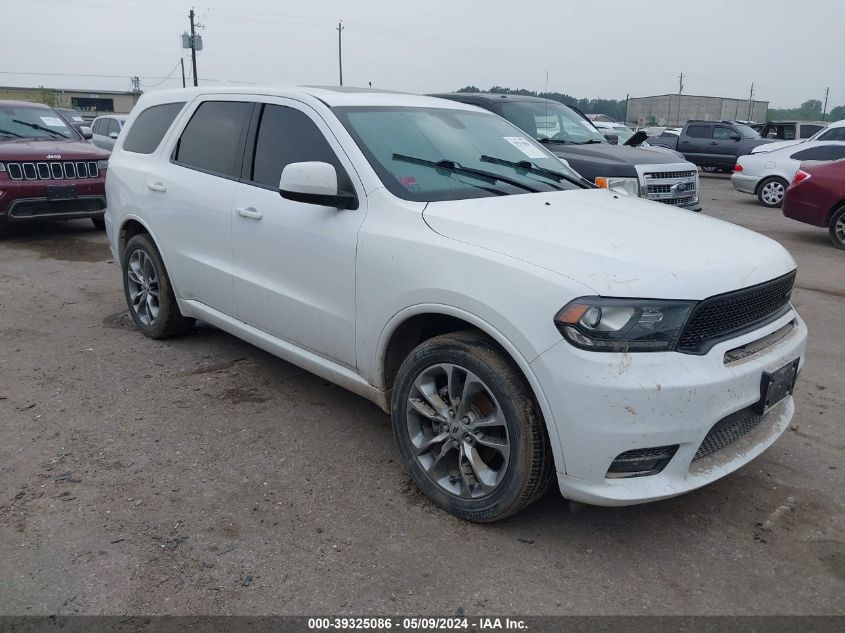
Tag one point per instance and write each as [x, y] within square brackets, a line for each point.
[85, 100]
[674, 110]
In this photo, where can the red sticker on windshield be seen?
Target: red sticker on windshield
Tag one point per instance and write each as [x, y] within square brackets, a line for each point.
[410, 183]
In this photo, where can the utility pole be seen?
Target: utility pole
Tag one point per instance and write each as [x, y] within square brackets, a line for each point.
[193, 46]
[824, 110]
[182, 63]
[750, 101]
[136, 85]
[680, 90]
[340, 28]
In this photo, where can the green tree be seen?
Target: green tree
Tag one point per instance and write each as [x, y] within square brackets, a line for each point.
[52, 98]
[837, 114]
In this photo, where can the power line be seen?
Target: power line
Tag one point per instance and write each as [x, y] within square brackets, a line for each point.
[169, 75]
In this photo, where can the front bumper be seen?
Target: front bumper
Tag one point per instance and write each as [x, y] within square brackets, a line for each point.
[27, 200]
[745, 183]
[607, 404]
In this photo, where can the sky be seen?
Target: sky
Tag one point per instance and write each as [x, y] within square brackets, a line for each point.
[606, 49]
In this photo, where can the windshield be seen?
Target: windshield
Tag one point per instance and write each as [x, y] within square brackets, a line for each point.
[431, 154]
[21, 121]
[745, 131]
[624, 133]
[549, 120]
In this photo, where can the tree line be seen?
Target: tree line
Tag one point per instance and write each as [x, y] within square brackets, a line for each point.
[810, 110]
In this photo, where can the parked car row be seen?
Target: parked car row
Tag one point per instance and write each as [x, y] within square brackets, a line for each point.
[767, 171]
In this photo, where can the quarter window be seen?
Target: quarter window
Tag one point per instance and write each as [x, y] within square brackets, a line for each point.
[808, 130]
[212, 140]
[287, 135]
[149, 128]
[698, 131]
[814, 153]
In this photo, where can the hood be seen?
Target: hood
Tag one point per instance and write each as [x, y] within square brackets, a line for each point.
[773, 145]
[57, 149]
[610, 160]
[617, 245]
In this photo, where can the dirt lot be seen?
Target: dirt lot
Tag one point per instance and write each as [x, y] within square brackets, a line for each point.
[203, 476]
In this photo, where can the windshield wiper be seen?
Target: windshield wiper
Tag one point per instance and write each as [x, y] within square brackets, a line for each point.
[457, 168]
[10, 133]
[591, 141]
[40, 128]
[533, 168]
[557, 141]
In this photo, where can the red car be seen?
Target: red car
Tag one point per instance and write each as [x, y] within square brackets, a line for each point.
[47, 170]
[817, 196]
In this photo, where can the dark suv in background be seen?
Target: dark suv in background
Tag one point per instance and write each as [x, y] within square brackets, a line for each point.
[654, 174]
[47, 170]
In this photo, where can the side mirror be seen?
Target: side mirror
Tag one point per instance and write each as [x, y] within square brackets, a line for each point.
[114, 135]
[736, 137]
[86, 132]
[613, 139]
[314, 183]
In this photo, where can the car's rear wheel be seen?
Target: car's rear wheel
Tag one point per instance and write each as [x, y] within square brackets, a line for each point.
[148, 291]
[469, 429]
[771, 191]
[837, 228]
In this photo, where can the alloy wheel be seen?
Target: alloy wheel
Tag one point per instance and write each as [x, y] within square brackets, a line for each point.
[143, 287]
[839, 228]
[772, 192]
[458, 431]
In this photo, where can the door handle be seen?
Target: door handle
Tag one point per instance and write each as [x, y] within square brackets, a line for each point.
[713, 143]
[249, 212]
[685, 142]
[156, 186]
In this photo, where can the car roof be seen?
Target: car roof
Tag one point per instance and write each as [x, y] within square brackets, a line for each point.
[119, 117]
[486, 96]
[24, 103]
[800, 122]
[329, 95]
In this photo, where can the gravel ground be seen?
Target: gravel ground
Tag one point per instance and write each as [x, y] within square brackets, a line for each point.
[203, 476]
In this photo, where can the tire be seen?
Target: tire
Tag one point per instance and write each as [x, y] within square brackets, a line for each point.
[510, 451]
[837, 228]
[145, 279]
[771, 191]
[99, 224]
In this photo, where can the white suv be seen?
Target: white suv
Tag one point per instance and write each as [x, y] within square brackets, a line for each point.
[517, 323]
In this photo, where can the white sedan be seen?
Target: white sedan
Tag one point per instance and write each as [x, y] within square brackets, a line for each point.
[768, 174]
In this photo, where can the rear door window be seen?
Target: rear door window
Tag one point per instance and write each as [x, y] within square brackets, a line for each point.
[698, 131]
[287, 135]
[149, 128]
[213, 139]
[808, 130]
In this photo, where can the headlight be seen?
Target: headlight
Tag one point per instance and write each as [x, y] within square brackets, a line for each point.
[623, 325]
[628, 186]
[103, 164]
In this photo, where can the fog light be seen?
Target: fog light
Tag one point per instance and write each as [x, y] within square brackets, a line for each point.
[641, 462]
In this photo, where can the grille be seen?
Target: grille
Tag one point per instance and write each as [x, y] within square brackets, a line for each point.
[671, 187]
[34, 208]
[673, 175]
[678, 201]
[728, 430]
[66, 170]
[722, 316]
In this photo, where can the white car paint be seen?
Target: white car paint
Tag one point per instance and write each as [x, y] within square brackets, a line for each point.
[831, 132]
[753, 169]
[325, 288]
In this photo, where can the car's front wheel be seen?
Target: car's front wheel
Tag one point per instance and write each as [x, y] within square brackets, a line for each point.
[148, 291]
[837, 228]
[771, 191]
[469, 429]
